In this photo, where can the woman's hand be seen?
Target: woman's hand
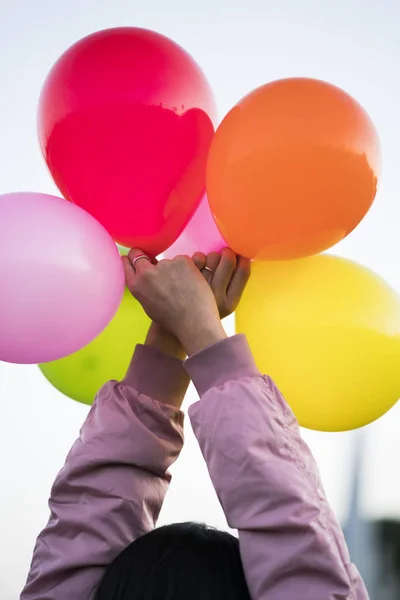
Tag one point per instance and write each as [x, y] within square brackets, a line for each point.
[176, 296]
[227, 275]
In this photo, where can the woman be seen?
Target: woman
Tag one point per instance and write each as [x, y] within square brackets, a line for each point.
[111, 489]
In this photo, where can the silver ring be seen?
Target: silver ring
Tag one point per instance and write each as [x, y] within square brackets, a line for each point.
[209, 270]
[138, 258]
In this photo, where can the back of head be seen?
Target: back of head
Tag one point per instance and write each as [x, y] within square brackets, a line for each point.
[177, 562]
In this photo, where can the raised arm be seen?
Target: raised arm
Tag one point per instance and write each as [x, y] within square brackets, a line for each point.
[267, 481]
[264, 474]
[115, 478]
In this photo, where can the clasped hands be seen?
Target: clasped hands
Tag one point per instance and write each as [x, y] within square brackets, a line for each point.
[188, 297]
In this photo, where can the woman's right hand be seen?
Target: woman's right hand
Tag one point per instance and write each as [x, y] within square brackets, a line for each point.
[227, 275]
[175, 295]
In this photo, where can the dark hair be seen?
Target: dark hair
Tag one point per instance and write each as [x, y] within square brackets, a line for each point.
[178, 562]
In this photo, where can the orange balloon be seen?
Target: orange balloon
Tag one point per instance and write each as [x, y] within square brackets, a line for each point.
[292, 170]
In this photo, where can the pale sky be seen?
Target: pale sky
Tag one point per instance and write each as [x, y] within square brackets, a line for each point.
[240, 45]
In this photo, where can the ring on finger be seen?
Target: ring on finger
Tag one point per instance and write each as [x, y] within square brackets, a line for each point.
[139, 257]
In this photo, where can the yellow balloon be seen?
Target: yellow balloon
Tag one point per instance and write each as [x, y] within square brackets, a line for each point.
[327, 330]
[82, 374]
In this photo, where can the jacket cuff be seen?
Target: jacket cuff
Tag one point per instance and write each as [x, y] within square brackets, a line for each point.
[160, 376]
[224, 361]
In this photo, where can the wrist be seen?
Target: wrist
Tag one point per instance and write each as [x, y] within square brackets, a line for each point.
[158, 337]
[196, 336]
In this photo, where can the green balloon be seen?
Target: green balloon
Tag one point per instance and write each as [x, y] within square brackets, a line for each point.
[122, 250]
[83, 373]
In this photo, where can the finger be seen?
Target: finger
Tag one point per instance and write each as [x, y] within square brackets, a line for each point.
[129, 272]
[212, 262]
[199, 259]
[139, 260]
[225, 271]
[239, 280]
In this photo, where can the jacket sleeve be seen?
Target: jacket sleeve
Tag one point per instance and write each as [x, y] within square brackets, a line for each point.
[113, 484]
[267, 481]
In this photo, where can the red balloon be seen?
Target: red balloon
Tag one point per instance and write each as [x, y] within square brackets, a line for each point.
[125, 123]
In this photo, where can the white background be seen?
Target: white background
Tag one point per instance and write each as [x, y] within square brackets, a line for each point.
[240, 44]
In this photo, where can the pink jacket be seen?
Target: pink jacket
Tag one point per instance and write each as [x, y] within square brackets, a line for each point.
[115, 478]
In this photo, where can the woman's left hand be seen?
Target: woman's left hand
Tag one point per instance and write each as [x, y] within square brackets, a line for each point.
[227, 275]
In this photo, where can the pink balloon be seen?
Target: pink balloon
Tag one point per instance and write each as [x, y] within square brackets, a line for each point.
[61, 278]
[201, 234]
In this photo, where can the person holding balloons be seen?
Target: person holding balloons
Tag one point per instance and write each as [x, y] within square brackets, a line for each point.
[100, 542]
[290, 171]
